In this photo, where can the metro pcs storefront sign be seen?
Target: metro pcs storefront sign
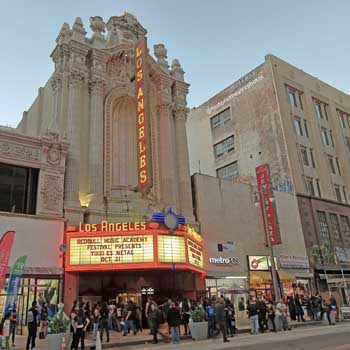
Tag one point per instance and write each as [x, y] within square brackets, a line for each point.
[133, 245]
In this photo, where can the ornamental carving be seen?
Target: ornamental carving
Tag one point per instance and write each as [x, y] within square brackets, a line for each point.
[51, 192]
[19, 151]
[121, 70]
[54, 154]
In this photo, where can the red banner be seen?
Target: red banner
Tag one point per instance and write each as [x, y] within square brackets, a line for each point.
[263, 180]
[143, 139]
[5, 252]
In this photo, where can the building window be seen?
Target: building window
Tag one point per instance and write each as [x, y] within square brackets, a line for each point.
[345, 196]
[292, 98]
[338, 165]
[345, 226]
[347, 143]
[304, 156]
[310, 186]
[295, 98]
[224, 147]
[335, 226]
[18, 188]
[331, 137]
[324, 230]
[306, 129]
[229, 171]
[321, 109]
[221, 118]
[342, 118]
[312, 158]
[331, 164]
[298, 127]
[318, 110]
[318, 188]
[337, 193]
[325, 137]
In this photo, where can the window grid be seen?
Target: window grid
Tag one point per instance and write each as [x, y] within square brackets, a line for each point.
[229, 171]
[298, 127]
[221, 118]
[345, 226]
[324, 230]
[335, 227]
[224, 147]
[325, 137]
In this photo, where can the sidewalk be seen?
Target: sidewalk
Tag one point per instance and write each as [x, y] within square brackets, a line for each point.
[142, 338]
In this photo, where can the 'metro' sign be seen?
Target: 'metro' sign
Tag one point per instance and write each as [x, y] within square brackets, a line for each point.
[143, 139]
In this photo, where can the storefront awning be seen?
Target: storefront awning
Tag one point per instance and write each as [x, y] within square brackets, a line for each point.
[261, 277]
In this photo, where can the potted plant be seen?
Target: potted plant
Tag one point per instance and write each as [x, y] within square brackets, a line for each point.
[58, 328]
[198, 324]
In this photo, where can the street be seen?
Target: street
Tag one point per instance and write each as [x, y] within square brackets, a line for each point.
[310, 338]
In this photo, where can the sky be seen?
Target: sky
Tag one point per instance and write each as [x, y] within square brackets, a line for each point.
[217, 42]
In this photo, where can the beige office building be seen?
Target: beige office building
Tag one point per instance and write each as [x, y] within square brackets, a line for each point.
[280, 115]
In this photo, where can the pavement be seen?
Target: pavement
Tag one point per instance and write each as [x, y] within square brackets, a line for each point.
[243, 339]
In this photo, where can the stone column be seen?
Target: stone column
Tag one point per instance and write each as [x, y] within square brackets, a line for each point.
[183, 167]
[56, 84]
[96, 144]
[168, 171]
[72, 178]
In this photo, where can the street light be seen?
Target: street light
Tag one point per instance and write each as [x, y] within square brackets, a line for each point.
[270, 245]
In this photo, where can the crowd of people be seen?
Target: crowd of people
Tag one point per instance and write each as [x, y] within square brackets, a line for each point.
[129, 318]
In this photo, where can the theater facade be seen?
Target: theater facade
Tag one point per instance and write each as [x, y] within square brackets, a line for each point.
[120, 111]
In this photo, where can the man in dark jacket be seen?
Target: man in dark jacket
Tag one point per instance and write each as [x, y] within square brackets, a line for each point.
[220, 317]
[174, 318]
[32, 325]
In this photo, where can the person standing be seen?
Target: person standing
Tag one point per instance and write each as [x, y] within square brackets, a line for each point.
[79, 323]
[130, 318]
[241, 308]
[262, 313]
[149, 303]
[32, 325]
[299, 309]
[271, 315]
[43, 321]
[104, 321]
[185, 307]
[252, 310]
[174, 319]
[210, 311]
[282, 313]
[154, 316]
[292, 308]
[95, 321]
[13, 323]
[220, 318]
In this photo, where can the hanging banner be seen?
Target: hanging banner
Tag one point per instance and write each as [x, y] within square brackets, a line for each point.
[265, 195]
[143, 117]
[6, 243]
[14, 284]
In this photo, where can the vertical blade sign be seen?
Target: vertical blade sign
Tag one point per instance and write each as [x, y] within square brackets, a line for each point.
[263, 180]
[143, 147]
[6, 243]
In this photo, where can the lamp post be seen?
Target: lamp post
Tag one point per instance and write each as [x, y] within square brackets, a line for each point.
[270, 245]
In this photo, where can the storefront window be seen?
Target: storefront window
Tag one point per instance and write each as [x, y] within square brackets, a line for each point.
[47, 291]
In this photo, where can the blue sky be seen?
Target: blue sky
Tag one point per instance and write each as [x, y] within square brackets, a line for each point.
[216, 41]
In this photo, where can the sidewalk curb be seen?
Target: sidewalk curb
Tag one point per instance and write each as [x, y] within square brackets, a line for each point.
[164, 339]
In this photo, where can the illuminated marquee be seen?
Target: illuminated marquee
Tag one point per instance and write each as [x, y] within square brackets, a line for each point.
[142, 116]
[132, 245]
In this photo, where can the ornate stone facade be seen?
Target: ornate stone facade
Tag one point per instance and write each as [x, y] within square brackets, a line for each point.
[91, 100]
[48, 154]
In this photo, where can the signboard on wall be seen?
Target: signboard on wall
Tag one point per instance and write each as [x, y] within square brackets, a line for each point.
[294, 262]
[119, 246]
[143, 117]
[265, 195]
[195, 253]
[259, 263]
[111, 249]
